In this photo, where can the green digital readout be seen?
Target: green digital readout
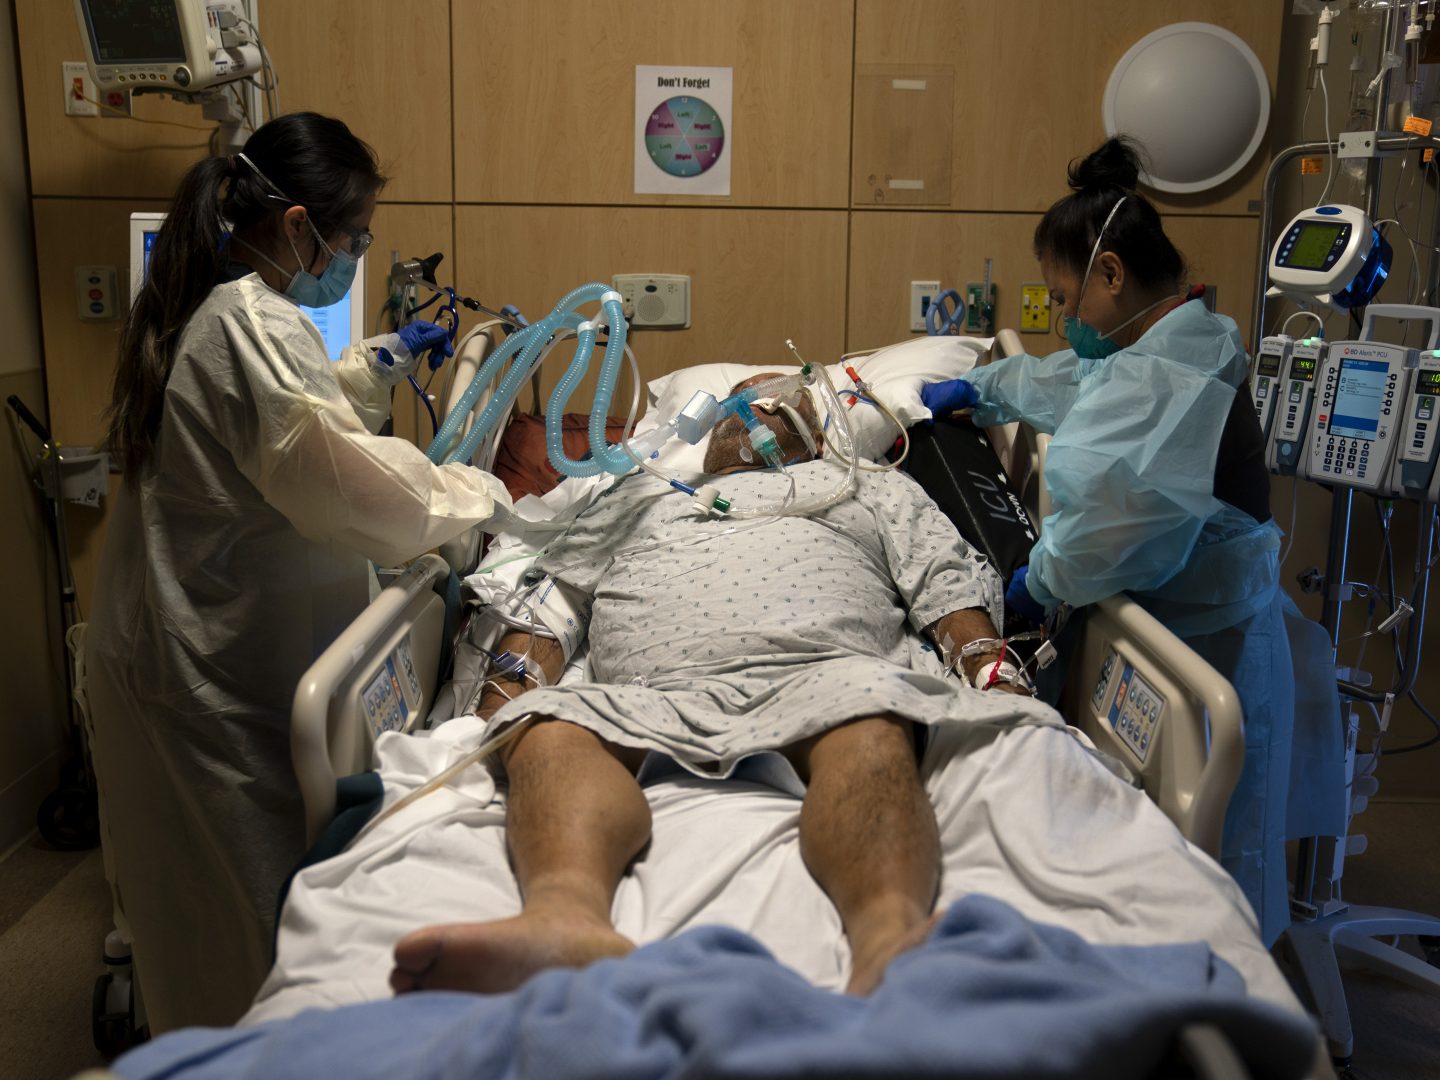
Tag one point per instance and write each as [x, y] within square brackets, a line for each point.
[1427, 383]
[1313, 241]
[1303, 368]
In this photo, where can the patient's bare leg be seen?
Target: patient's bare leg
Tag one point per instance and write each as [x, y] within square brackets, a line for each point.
[575, 820]
[868, 836]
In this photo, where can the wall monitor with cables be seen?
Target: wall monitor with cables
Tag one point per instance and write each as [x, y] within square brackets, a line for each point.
[185, 46]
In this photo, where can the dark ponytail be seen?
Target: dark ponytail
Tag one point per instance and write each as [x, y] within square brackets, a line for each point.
[1067, 232]
[315, 161]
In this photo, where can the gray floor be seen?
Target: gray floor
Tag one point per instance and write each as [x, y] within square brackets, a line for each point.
[55, 912]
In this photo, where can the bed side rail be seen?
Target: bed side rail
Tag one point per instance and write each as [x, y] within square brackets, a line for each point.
[1144, 696]
[378, 675]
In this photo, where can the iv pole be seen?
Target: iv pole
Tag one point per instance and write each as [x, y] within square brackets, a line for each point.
[1323, 930]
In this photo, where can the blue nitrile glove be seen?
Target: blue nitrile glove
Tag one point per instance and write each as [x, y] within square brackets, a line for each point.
[942, 398]
[420, 336]
[1019, 600]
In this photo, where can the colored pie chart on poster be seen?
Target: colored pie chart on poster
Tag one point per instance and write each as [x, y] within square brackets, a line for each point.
[685, 136]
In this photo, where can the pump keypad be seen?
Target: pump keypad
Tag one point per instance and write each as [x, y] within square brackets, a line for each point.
[1349, 457]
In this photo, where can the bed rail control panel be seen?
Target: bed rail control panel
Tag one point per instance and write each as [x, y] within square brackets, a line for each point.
[1361, 389]
[1265, 383]
[379, 675]
[1145, 698]
[1414, 470]
[392, 698]
[1296, 389]
[1131, 705]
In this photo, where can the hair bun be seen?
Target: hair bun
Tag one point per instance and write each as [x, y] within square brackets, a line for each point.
[1115, 165]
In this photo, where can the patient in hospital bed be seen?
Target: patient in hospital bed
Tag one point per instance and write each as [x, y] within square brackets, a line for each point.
[715, 640]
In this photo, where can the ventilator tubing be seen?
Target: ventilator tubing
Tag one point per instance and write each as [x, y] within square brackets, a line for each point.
[529, 347]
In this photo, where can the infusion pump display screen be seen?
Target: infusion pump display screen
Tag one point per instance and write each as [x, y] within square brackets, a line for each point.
[1313, 245]
[1302, 368]
[1268, 364]
[1427, 384]
[135, 31]
[1358, 399]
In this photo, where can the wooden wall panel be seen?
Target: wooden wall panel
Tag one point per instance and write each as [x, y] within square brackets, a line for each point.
[1030, 79]
[757, 277]
[79, 354]
[383, 68]
[890, 249]
[361, 60]
[551, 118]
[95, 156]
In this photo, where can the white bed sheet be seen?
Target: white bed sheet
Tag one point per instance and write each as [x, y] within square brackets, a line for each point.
[1026, 814]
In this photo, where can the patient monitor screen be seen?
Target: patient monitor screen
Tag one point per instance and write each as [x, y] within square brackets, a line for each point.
[1357, 402]
[1312, 245]
[135, 32]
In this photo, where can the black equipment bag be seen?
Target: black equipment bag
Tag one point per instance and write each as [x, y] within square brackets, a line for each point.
[955, 464]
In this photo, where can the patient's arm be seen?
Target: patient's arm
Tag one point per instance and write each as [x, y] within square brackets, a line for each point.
[546, 655]
[962, 627]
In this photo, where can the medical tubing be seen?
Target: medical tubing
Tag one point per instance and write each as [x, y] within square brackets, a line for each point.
[450, 429]
[520, 341]
[840, 492]
[516, 378]
[611, 459]
[484, 750]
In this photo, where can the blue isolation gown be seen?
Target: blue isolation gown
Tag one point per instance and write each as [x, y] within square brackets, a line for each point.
[1131, 475]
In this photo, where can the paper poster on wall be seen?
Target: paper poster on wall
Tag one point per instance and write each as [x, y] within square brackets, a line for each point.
[682, 130]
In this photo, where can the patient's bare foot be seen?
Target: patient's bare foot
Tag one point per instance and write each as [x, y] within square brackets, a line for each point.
[493, 957]
[872, 952]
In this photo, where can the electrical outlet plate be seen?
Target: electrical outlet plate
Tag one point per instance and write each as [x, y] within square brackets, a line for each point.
[78, 82]
[921, 294]
[655, 301]
[1034, 309]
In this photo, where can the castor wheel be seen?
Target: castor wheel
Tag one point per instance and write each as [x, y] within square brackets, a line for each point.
[112, 1016]
[69, 818]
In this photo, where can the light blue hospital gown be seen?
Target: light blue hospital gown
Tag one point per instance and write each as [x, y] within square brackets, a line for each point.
[714, 639]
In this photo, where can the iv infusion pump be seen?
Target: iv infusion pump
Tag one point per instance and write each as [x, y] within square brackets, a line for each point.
[1375, 408]
[1265, 385]
[1356, 426]
[1294, 394]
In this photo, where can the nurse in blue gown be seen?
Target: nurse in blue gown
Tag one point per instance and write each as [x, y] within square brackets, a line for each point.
[1156, 476]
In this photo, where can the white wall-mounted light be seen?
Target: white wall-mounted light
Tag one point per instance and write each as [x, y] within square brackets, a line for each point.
[1197, 100]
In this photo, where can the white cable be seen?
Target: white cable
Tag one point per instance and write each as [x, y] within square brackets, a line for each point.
[1290, 532]
[1330, 166]
[1285, 326]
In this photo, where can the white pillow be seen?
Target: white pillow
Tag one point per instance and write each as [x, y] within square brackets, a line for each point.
[895, 375]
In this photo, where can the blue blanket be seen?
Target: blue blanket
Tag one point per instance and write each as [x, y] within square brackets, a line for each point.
[990, 994]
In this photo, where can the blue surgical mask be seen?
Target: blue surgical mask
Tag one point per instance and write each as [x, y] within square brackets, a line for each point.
[304, 287]
[332, 284]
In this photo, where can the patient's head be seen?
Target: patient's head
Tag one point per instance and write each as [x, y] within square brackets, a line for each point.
[729, 441]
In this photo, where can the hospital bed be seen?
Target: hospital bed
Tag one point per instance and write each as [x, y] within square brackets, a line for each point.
[1095, 855]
